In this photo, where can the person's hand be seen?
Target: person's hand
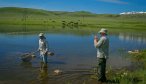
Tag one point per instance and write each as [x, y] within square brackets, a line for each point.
[45, 53]
[95, 38]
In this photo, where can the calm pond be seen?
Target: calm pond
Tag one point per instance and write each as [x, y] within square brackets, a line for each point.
[74, 55]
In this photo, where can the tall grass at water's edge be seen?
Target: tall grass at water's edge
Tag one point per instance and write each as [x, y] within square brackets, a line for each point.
[128, 76]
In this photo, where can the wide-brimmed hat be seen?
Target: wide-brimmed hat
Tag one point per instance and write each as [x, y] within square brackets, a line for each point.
[41, 34]
[103, 30]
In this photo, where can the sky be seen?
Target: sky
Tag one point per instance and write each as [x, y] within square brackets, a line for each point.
[94, 6]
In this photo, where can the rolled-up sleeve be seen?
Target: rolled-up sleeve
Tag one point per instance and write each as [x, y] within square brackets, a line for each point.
[99, 43]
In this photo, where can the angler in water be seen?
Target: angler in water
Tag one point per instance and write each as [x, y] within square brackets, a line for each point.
[43, 48]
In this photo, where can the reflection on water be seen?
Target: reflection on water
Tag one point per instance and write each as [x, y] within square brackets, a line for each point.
[26, 64]
[43, 74]
[133, 37]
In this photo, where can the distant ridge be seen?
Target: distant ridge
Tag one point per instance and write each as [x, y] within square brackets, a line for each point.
[54, 19]
[42, 12]
[31, 11]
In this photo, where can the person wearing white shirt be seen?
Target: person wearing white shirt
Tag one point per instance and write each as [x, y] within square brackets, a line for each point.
[102, 46]
[43, 47]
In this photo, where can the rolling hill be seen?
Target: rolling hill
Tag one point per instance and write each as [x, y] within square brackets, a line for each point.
[29, 16]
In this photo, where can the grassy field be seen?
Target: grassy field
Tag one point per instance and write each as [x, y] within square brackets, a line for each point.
[58, 19]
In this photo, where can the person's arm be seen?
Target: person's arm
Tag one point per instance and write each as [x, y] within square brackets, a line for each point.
[95, 40]
[98, 43]
[47, 46]
[39, 46]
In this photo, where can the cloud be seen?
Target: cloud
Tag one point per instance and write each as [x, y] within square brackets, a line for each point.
[114, 1]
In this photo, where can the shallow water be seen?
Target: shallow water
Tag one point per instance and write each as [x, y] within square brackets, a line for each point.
[75, 55]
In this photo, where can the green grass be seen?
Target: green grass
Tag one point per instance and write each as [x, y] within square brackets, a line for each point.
[28, 16]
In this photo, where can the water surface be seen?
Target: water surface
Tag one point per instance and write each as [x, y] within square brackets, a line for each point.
[74, 54]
